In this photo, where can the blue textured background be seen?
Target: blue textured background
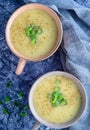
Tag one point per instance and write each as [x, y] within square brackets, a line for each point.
[32, 71]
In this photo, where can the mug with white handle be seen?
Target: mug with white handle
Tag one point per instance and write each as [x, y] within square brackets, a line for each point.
[59, 125]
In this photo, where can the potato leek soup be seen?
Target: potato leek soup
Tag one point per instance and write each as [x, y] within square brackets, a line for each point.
[34, 33]
[57, 99]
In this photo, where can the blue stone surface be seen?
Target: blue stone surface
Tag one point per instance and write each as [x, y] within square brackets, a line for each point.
[32, 71]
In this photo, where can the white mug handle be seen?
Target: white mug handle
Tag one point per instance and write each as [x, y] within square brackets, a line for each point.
[36, 126]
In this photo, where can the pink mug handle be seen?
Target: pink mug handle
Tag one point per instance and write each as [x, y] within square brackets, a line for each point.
[20, 66]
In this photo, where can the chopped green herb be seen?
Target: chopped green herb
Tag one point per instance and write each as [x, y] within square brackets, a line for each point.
[23, 114]
[26, 107]
[7, 98]
[49, 95]
[8, 84]
[63, 102]
[56, 89]
[1, 102]
[16, 103]
[5, 111]
[32, 32]
[33, 40]
[57, 82]
[56, 97]
[28, 31]
[39, 31]
[20, 94]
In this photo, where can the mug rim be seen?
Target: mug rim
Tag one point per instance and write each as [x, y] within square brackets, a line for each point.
[47, 9]
[59, 125]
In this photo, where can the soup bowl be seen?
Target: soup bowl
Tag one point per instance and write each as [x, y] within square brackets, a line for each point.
[23, 58]
[65, 123]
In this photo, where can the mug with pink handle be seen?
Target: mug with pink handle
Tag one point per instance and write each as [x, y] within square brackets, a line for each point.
[22, 58]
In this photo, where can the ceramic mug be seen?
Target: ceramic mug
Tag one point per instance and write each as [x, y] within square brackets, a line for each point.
[23, 59]
[53, 125]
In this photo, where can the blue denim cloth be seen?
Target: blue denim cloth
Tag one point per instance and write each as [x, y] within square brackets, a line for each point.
[73, 57]
[75, 47]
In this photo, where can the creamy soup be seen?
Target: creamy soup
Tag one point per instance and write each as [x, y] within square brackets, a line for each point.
[45, 42]
[60, 113]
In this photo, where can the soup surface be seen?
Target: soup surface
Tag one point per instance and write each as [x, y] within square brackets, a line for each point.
[61, 113]
[45, 42]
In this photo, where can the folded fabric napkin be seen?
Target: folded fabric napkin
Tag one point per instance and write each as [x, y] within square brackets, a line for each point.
[75, 47]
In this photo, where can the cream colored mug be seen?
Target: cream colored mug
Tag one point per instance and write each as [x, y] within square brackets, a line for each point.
[23, 59]
[59, 126]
